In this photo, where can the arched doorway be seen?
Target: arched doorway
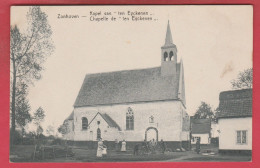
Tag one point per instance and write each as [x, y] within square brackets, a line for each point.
[151, 131]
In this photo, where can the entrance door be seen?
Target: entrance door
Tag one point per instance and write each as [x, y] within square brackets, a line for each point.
[151, 133]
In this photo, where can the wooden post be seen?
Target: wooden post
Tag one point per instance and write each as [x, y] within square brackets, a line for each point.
[43, 153]
[53, 152]
[66, 151]
[34, 152]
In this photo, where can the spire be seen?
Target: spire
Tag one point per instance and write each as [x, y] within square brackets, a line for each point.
[168, 38]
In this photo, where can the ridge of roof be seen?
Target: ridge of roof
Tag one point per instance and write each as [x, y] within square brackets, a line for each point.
[120, 71]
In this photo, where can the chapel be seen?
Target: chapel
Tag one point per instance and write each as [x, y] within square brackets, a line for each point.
[134, 105]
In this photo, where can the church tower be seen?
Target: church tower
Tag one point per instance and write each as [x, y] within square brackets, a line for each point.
[168, 55]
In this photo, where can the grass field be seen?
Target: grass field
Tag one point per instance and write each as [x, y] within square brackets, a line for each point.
[23, 153]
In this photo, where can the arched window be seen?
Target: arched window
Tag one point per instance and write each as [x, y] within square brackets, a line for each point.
[171, 56]
[84, 123]
[98, 133]
[165, 56]
[129, 119]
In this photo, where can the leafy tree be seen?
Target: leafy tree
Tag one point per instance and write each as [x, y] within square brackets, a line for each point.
[50, 130]
[28, 52]
[39, 130]
[64, 128]
[38, 118]
[205, 111]
[244, 80]
[23, 116]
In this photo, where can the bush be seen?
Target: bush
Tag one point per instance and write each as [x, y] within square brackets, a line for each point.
[17, 138]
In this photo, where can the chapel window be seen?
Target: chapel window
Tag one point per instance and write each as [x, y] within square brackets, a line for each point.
[171, 56]
[98, 133]
[242, 137]
[129, 119]
[165, 56]
[84, 123]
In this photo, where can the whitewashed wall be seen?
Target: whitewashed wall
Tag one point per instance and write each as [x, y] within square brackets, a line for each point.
[204, 138]
[228, 135]
[167, 119]
[214, 130]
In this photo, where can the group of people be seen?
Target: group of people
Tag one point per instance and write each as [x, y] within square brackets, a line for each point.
[145, 147]
[102, 149]
[149, 147]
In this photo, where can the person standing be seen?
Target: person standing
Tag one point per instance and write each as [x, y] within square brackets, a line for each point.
[123, 147]
[136, 149]
[116, 145]
[100, 148]
[163, 146]
[198, 146]
[153, 146]
[145, 146]
[104, 151]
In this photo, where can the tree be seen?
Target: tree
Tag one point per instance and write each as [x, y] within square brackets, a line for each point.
[38, 118]
[244, 80]
[39, 130]
[64, 128]
[50, 130]
[204, 111]
[28, 52]
[23, 116]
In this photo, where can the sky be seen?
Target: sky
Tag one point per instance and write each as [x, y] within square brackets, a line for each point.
[214, 42]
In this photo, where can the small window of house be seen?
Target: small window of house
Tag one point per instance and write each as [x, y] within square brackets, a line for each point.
[84, 123]
[242, 137]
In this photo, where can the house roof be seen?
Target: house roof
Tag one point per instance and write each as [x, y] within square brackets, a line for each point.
[127, 87]
[108, 120]
[235, 103]
[200, 126]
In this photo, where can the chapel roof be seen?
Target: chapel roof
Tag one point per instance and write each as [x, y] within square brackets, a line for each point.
[200, 126]
[128, 86]
[235, 103]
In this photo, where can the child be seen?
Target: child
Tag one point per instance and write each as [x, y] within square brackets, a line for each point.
[104, 151]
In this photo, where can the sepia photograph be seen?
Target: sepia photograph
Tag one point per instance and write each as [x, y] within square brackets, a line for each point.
[131, 83]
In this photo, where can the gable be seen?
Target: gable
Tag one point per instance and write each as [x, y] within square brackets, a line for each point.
[127, 87]
[110, 122]
[200, 126]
